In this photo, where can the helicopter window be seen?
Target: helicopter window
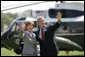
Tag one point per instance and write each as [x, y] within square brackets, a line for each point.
[14, 27]
[66, 13]
[41, 13]
[23, 18]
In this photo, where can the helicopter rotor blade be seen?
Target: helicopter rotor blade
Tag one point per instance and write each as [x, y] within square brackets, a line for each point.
[24, 6]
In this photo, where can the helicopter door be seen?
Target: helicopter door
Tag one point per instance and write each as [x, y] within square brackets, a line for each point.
[13, 36]
[15, 39]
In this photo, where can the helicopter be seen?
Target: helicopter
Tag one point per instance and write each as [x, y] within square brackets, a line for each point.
[70, 34]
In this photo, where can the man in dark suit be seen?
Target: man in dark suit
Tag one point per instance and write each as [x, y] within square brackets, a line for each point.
[45, 36]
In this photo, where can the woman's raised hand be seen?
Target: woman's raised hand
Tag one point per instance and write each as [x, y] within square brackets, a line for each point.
[23, 26]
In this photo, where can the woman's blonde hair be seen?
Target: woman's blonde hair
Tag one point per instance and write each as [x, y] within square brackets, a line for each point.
[29, 22]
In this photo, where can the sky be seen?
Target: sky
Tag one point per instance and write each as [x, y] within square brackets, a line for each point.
[41, 6]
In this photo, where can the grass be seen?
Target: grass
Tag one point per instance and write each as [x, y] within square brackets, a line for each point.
[71, 53]
[5, 52]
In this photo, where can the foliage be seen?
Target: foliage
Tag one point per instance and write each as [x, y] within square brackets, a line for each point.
[6, 20]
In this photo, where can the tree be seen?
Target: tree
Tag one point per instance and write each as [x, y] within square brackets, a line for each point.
[6, 20]
[12, 15]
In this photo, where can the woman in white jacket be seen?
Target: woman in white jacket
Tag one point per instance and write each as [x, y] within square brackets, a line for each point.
[29, 48]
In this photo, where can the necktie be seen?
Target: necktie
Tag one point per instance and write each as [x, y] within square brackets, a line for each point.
[42, 34]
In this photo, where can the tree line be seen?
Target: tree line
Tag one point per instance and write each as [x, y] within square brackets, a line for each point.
[6, 20]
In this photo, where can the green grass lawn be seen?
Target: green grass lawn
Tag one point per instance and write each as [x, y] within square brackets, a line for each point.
[5, 52]
[71, 53]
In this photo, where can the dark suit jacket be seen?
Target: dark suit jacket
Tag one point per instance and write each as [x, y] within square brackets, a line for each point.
[48, 47]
